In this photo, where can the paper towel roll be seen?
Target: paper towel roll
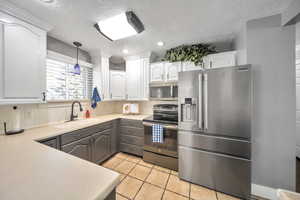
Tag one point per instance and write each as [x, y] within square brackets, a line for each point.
[16, 119]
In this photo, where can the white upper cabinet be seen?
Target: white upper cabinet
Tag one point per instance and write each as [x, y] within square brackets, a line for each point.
[105, 78]
[145, 63]
[225, 59]
[137, 79]
[157, 72]
[133, 79]
[22, 62]
[117, 85]
[164, 71]
[190, 66]
[172, 70]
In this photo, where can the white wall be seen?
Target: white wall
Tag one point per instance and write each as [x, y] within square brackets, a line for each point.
[271, 51]
[298, 89]
[240, 45]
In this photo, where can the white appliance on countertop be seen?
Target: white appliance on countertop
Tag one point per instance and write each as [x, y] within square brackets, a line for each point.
[131, 109]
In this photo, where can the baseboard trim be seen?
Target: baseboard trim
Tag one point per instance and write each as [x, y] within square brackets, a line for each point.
[263, 191]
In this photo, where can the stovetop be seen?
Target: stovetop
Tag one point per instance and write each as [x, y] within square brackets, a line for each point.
[151, 119]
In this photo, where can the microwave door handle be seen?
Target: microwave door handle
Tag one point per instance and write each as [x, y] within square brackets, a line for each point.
[200, 120]
[205, 92]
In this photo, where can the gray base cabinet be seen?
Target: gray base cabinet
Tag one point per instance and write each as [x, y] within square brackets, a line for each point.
[131, 137]
[95, 143]
[52, 142]
[81, 148]
[101, 146]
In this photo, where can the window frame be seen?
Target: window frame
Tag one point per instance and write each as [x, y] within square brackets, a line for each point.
[65, 59]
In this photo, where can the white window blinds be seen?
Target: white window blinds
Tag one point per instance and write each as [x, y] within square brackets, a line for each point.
[62, 84]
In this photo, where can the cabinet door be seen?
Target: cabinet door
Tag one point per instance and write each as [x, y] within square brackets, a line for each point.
[172, 70]
[190, 66]
[81, 148]
[101, 147]
[226, 59]
[145, 78]
[105, 78]
[157, 72]
[24, 48]
[117, 85]
[133, 79]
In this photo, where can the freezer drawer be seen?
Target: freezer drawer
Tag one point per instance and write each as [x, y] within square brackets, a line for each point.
[223, 173]
[234, 147]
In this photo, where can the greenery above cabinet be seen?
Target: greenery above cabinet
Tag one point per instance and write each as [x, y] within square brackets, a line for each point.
[189, 53]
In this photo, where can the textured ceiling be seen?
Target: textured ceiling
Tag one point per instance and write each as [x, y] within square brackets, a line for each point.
[175, 22]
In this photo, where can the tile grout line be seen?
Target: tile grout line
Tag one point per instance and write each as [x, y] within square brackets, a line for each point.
[143, 183]
[123, 196]
[177, 192]
[189, 190]
[166, 186]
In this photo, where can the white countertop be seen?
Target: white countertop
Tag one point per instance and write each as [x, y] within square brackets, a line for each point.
[287, 195]
[30, 170]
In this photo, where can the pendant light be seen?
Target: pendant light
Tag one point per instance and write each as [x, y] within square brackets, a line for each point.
[77, 66]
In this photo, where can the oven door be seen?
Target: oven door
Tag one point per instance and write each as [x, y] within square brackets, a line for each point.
[169, 145]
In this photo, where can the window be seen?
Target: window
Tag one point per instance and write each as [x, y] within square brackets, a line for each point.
[62, 84]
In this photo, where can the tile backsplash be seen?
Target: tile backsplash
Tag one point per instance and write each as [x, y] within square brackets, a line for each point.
[33, 115]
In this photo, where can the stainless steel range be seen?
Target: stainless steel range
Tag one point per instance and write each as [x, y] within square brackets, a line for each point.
[163, 153]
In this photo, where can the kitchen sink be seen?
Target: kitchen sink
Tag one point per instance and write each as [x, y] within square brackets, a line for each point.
[78, 122]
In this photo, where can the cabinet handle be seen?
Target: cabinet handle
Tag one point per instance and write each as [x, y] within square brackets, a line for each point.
[111, 95]
[168, 76]
[44, 96]
[210, 64]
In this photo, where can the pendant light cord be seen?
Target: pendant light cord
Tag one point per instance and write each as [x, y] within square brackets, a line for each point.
[77, 54]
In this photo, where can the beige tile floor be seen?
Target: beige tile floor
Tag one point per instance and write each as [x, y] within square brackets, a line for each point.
[144, 181]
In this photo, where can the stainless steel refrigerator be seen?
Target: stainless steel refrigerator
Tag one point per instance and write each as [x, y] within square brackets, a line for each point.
[214, 137]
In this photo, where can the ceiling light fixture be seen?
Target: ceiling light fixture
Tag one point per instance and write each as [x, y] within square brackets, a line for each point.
[47, 1]
[160, 43]
[120, 26]
[125, 51]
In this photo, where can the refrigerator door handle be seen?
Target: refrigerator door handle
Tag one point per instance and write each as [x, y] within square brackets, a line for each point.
[205, 99]
[200, 118]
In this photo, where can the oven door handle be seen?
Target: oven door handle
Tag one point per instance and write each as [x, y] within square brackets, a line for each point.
[170, 127]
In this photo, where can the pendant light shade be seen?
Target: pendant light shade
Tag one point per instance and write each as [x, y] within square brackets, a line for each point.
[76, 69]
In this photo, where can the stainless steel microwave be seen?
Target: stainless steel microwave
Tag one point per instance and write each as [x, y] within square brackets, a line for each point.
[164, 91]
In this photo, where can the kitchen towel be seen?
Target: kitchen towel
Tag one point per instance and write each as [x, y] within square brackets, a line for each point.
[157, 133]
[95, 98]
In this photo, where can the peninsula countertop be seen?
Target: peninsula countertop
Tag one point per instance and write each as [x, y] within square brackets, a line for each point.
[30, 170]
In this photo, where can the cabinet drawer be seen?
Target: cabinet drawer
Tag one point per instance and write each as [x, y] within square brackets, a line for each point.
[139, 132]
[132, 123]
[79, 134]
[223, 145]
[139, 141]
[214, 170]
[133, 149]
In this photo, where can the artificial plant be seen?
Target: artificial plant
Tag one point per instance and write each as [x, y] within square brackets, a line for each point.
[193, 53]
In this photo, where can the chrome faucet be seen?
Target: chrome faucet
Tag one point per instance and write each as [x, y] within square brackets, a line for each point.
[73, 117]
